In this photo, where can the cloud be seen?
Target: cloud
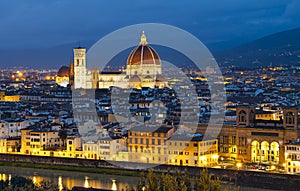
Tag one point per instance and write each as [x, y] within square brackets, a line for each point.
[47, 23]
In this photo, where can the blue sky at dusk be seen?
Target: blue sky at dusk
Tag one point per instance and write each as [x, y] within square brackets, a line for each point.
[35, 23]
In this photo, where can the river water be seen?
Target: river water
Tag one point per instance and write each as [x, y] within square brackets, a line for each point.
[67, 179]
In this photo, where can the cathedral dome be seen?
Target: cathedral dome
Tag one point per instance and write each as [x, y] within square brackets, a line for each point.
[143, 54]
[63, 71]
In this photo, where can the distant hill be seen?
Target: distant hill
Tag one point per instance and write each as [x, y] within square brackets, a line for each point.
[55, 57]
[39, 58]
[281, 48]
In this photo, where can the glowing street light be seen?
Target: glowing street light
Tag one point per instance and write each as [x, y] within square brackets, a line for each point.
[239, 165]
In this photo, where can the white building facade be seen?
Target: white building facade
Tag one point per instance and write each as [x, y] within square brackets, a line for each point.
[143, 69]
[292, 158]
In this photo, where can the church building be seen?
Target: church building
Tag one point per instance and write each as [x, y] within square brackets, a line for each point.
[143, 69]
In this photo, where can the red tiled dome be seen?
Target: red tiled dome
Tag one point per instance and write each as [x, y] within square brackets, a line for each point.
[63, 71]
[143, 54]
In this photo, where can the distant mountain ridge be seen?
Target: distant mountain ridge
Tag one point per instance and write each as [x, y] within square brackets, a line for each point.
[282, 48]
[39, 58]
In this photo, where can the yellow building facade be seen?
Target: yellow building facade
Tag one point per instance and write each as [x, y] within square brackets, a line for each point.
[148, 146]
[9, 98]
[10, 145]
[48, 143]
[292, 158]
[192, 151]
[253, 140]
[162, 146]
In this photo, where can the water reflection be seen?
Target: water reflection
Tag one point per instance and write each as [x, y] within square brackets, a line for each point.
[86, 182]
[67, 180]
[60, 184]
[34, 179]
[114, 185]
[3, 177]
[9, 179]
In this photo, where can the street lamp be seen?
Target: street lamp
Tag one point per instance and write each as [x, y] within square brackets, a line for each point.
[222, 159]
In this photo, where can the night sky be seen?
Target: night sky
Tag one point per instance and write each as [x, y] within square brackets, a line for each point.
[35, 24]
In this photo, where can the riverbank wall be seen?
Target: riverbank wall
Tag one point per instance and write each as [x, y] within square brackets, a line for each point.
[241, 178]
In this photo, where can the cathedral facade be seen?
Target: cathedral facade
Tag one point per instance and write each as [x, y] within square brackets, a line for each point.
[143, 69]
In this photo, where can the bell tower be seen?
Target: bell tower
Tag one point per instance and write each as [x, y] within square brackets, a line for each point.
[79, 68]
[95, 78]
[71, 74]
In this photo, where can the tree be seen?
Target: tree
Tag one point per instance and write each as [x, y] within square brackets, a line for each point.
[168, 183]
[153, 181]
[3, 184]
[63, 136]
[46, 185]
[182, 186]
[142, 182]
[179, 182]
[129, 188]
[206, 183]
[184, 180]
[18, 183]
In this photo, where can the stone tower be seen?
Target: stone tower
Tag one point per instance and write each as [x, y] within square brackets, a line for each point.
[95, 78]
[71, 74]
[79, 68]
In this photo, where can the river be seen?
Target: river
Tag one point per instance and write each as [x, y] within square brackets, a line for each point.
[68, 179]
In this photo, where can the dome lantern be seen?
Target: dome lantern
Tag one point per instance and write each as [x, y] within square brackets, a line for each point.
[143, 39]
[143, 54]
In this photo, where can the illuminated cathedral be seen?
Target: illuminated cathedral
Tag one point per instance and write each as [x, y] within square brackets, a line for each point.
[143, 69]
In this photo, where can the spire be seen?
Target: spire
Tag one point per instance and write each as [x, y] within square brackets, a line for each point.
[71, 72]
[143, 39]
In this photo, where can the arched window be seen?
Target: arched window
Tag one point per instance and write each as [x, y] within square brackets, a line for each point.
[289, 118]
[242, 116]
[255, 151]
[264, 153]
[274, 152]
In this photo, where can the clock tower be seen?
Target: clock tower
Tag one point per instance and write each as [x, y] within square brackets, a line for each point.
[79, 67]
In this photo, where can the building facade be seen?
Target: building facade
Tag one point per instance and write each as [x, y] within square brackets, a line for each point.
[143, 69]
[292, 157]
[253, 140]
[193, 151]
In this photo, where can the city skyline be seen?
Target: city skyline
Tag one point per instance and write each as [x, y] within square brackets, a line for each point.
[30, 38]
[171, 93]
